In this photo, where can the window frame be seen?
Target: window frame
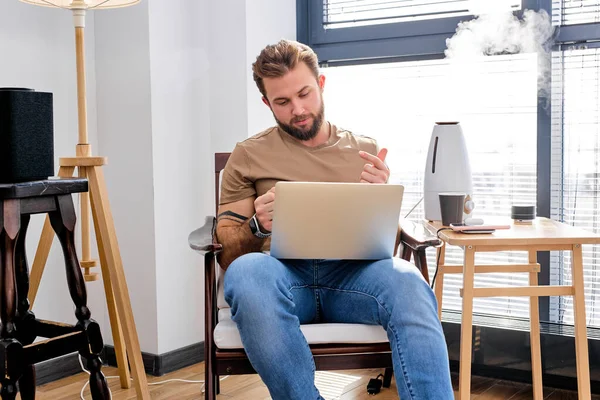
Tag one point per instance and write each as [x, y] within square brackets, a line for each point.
[425, 38]
[579, 34]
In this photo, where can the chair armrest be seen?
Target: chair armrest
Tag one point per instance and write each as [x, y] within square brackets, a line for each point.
[203, 239]
[415, 235]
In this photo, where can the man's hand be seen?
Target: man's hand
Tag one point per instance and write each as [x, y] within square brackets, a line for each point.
[375, 171]
[264, 209]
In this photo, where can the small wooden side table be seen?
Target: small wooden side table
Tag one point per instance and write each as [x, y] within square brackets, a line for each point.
[543, 235]
[20, 328]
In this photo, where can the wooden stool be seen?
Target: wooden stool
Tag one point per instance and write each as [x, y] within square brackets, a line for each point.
[20, 328]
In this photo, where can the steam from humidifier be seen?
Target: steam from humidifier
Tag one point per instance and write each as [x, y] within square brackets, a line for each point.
[496, 30]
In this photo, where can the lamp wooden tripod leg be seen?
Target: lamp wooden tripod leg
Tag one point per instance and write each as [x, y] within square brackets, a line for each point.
[122, 324]
[123, 328]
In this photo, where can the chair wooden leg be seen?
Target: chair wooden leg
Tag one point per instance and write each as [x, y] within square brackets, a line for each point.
[216, 320]
[421, 263]
[439, 279]
[209, 378]
[406, 253]
[210, 385]
[387, 377]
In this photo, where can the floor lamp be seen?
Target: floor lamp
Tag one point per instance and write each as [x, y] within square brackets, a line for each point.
[115, 286]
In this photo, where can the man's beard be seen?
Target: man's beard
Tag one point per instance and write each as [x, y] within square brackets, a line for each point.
[304, 134]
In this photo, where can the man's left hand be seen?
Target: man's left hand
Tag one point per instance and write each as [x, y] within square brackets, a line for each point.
[375, 171]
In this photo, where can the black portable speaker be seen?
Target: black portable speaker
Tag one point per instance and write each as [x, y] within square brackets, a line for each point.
[26, 135]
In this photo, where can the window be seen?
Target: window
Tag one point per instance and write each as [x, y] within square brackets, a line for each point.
[575, 161]
[348, 13]
[576, 169]
[574, 12]
[494, 98]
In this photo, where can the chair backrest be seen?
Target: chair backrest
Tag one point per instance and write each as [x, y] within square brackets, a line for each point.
[220, 162]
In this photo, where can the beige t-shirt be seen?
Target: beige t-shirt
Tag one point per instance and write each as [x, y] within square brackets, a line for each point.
[259, 162]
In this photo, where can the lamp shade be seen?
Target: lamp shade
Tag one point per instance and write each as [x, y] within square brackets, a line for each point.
[83, 4]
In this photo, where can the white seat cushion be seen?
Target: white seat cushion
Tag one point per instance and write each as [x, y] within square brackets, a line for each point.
[227, 336]
[221, 303]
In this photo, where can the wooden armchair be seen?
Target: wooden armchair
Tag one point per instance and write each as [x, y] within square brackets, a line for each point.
[334, 346]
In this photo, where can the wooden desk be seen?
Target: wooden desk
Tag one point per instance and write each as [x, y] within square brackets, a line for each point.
[543, 235]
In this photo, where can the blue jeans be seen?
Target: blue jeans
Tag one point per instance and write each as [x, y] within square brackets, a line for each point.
[270, 298]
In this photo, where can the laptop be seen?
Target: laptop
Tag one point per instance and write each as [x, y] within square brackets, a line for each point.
[323, 220]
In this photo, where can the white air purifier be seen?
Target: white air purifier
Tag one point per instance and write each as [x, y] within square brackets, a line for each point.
[448, 169]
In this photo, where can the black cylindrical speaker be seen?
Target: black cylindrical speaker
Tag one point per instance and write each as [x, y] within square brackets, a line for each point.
[26, 135]
[522, 213]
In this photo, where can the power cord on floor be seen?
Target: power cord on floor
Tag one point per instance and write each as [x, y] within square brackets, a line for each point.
[149, 384]
[374, 385]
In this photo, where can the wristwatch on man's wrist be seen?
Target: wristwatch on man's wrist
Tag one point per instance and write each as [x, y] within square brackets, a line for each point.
[255, 228]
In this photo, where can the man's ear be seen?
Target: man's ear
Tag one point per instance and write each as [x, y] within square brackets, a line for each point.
[266, 101]
[322, 81]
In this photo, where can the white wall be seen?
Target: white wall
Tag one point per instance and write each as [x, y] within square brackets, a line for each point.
[179, 64]
[125, 137]
[267, 22]
[169, 84]
[228, 103]
[239, 31]
[201, 100]
[37, 48]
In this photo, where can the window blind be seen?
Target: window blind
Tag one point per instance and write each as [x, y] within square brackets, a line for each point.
[346, 13]
[495, 100]
[576, 170]
[572, 12]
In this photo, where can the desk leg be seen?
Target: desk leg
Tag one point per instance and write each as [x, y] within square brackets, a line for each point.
[466, 334]
[439, 279]
[581, 344]
[534, 336]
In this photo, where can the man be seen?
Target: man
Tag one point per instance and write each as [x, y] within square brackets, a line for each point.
[270, 298]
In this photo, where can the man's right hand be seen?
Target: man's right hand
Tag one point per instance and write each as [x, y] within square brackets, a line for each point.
[263, 205]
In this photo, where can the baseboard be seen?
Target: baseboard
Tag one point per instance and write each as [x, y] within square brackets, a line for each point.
[57, 368]
[158, 365]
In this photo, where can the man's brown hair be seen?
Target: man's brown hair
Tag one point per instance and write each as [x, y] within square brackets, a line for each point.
[276, 60]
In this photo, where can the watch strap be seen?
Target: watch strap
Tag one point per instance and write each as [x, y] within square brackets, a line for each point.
[255, 228]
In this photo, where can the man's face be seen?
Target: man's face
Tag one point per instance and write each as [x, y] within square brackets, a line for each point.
[296, 102]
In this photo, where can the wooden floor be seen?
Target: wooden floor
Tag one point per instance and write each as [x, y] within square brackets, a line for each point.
[343, 385]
